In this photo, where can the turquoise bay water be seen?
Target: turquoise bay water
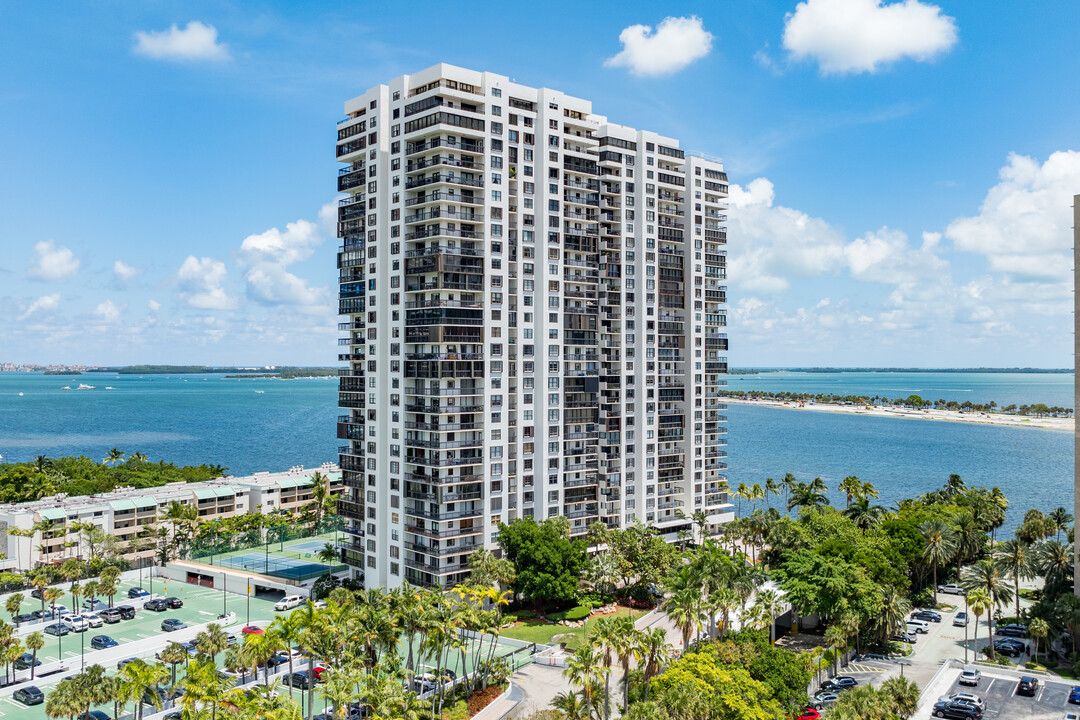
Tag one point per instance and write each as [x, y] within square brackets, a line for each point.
[205, 418]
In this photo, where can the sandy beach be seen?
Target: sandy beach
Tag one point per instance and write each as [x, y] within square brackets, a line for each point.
[978, 418]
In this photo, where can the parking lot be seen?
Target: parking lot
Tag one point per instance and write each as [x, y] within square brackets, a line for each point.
[140, 637]
[997, 688]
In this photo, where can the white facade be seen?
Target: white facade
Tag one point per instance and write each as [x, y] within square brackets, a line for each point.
[127, 512]
[536, 321]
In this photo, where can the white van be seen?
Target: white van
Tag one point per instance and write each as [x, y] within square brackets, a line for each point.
[289, 602]
[918, 626]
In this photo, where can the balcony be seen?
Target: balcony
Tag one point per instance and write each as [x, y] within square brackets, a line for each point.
[435, 160]
[470, 146]
[416, 529]
[443, 444]
[443, 550]
[444, 178]
[434, 391]
[450, 213]
[443, 515]
[444, 196]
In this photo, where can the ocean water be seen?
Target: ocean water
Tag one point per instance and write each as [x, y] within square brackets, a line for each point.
[254, 425]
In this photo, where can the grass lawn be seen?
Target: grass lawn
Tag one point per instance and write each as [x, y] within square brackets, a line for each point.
[538, 631]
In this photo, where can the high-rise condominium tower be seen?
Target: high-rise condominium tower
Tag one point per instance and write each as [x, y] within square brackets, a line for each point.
[535, 302]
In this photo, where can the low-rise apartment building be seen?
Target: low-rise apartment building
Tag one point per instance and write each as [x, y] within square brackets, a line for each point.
[128, 513]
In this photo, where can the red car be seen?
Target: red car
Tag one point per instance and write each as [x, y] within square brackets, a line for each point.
[321, 674]
[808, 714]
[252, 630]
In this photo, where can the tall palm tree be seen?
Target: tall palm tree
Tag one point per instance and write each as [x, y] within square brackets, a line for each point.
[769, 605]
[604, 637]
[173, 654]
[954, 486]
[684, 609]
[34, 642]
[212, 641]
[811, 494]
[583, 669]
[257, 651]
[978, 602]
[987, 575]
[852, 488]
[653, 648]
[970, 537]
[1053, 561]
[115, 456]
[626, 644]
[902, 696]
[940, 546]
[1060, 518]
[1015, 560]
[286, 631]
[572, 705]
[772, 487]
[789, 482]
[1038, 628]
[756, 493]
[894, 609]
[742, 492]
[63, 701]
[140, 676]
[13, 605]
[863, 514]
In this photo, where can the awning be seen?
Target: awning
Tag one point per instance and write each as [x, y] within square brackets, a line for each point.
[52, 514]
[206, 494]
[122, 505]
[146, 503]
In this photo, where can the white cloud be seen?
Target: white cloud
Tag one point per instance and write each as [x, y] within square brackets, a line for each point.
[107, 312]
[44, 304]
[52, 262]
[153, 306]
[885, 257]
[266, 256]
[677, 42]
[196, 41]
[855, 36]
[201, 283]
[1024, 226]
[123, 271]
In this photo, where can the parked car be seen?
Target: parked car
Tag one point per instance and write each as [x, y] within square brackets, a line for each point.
[24, 618]
[230, 639]
[157, 605]
[94, 715]
[100, 642]
[1074, 695]
[24, 661]
[137, 592]
[961, 619]
[917, 626]
[277, 660]
[127, 612]
[1027, 686]
[75, 623]
[970, 675]
[37, 594]
[93, 620]
[111, 615]
[824, 699]
[1008, 649]
[840, 682]
[289, 602]
[127, 661]
[93, 604]
[952, 589]
[174, 603]
[29, 695]
[192, 651]
[57, 629]
[808, 713]
[1070, 716]
[905, 636]
[322, 674]
[299, 680]
[956, 711]
[252, 630]
[928, 615]
[1014, 630]
[162, 695]
[171, 624]
[964, 697]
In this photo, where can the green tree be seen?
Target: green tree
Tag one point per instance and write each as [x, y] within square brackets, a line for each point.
[14, 605]
[547, 562]
[34, 641]
[940, 546]
[1015, 560]
[1038, 628]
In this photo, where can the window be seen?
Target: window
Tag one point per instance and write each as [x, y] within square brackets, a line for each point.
[496, 92]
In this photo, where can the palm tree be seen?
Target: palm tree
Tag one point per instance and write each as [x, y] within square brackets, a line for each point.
[286, 630]
[257, 651]
[34, 642]
[894, 609]
[13, 605]
[626, 644]
[1053, 561]
[653, 648]
[756, 493]
[1060, 518]
[902, 695]
[852, 487]
[63, 701]
[954, 486]
[789, 482]
[115, 456]
[572, 705]
[1038, 628]
[742, 492]
[978, 601]
[940, 546]
[772, 487]
[769, 604]
[970, 537]
[583, 669]
[863, 514]
[1012, 556]
[684, 609]
[811, 494]
[173, 654]
[212, 641]
[140, 676]
[986, 574]
[604, 637]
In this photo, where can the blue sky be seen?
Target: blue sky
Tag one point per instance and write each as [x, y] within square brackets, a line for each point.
[901, 173]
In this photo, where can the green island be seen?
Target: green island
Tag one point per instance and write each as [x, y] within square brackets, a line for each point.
[911, 401]
[288, 374]
[23, 482]
[62, 372]
[755, 611]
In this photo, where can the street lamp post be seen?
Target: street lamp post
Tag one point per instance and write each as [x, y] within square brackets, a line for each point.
[249, 602]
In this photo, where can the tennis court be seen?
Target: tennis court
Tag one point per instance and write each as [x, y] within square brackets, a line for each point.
[290, 568]
[312, 547]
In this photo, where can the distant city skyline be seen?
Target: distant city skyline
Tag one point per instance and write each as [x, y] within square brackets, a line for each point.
[899, 197]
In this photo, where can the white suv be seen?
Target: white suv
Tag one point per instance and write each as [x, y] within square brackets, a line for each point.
[93, 620]
[75, 623]
[951, 588]
[289, 602]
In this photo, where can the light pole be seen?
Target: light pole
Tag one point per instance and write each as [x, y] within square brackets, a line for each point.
[249, 602]
[902, 664]
[966, 616]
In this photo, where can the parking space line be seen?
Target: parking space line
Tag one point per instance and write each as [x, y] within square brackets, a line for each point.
[144, 636]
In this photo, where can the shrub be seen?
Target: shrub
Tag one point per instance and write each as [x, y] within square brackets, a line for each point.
[574, 614]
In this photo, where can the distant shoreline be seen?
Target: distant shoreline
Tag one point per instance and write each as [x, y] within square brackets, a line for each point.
[977, 418]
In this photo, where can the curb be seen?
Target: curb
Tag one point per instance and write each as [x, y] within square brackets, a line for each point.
[513, 693]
